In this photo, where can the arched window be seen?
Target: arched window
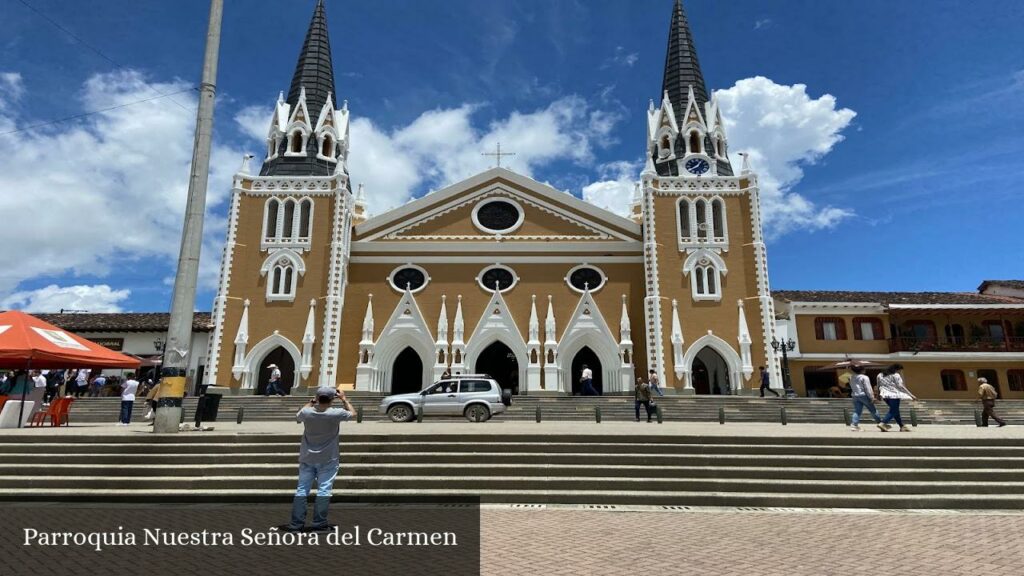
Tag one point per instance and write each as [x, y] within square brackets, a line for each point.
[699, 275]
[282, 281]
[706, 269]
[272, 144]
[695, 147]
[664, 146]
[270, 222]
[327, 149]
[718, 219]
[275, 280]
[295, 143]
[701, 207]
[288, 224]
[304, 219]
[685, 231]
[720, 144]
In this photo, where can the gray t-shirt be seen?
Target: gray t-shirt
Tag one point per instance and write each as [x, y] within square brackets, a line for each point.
[320, 438]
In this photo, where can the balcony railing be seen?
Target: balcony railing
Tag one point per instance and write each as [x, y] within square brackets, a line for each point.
[966, 344]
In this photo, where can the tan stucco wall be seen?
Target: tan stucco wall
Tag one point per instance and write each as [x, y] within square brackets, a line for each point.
[810, 344]
[536, 222]
[924, 380]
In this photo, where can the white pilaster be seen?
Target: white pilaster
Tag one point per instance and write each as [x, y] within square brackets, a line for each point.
[241, 343]
[308, 339]
[678, 364]
[533, 370]
[551, 379]
[459, 340]
[364, 370]
[744, 341]
[441, 345]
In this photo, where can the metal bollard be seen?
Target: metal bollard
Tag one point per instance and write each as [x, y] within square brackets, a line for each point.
[538, 414]
[783, 417]
[721, 415]
[241, 415]
[597, 414]
[419, 413]
[977, 418]
[657, 412]
[846, 417]
[359, 415]
[913, 418]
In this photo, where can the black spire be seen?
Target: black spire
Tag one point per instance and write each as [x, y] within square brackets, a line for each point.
[682, 69]
[314, 72]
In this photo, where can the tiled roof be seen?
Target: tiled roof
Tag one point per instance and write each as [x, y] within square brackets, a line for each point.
[1015, 284]
[122, 321]
[886, 298]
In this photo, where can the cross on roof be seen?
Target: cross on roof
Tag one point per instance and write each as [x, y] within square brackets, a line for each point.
[498, 154]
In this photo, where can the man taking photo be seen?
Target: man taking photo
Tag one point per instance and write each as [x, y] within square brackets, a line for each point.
[318, 455]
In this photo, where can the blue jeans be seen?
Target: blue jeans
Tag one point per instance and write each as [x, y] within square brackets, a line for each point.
[647, 407]
[126, 411]
[324, 473]
[272, 389]
[859, 404]
[894, 412]
[588, 388]
[657, 390]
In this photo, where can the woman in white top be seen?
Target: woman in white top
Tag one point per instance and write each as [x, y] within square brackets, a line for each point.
[892, 390]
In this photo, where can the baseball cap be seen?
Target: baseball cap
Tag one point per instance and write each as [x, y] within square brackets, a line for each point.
[326, 392]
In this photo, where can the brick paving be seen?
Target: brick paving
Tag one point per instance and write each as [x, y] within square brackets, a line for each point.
[597, 543]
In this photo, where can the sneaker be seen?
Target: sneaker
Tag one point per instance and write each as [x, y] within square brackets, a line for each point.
[323, 528]
[290, 528]
[904, 429]
[883, 427]
[887, 427]
[1003, 424]
[855, 428]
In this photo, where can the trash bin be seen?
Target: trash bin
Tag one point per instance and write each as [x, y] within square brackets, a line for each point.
[209, 403]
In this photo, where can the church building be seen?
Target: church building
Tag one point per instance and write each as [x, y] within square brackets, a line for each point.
[497, 274]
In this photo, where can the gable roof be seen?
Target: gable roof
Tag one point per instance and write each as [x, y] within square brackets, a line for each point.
[1012, 284]
[122, 321]
[890, 298]
[403, 214]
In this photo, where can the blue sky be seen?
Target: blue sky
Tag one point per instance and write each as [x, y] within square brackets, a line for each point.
[894, 161]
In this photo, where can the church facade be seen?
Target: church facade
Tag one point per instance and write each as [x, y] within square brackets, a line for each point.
[497, 274]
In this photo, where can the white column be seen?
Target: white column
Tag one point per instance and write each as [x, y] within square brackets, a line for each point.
[744, 341]
[441, 345]
[625, 349]
[307, 343]
[682, 371]
[533, 347]
[241, 342]
[552, 382]
[458, 340]
[364, 370]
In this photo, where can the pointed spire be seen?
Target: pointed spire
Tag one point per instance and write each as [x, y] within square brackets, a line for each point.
[308, 336]
[242, 336]
[368, 322]
[314, 70]
[534, 322]
[682, 69]
[442, 323]
[744, 331]
[677, 327]
[549, 324]
[460, 325]
[624, 328]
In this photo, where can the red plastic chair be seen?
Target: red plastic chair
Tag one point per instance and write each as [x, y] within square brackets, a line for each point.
[3, 400]
[57, 412]
[63, 416]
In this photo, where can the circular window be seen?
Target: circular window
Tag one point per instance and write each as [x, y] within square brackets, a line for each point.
[500, 216]
[409, 276]
[585, 277]
[502, 277]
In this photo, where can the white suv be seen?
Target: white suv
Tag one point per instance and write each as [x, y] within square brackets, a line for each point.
[475, 396]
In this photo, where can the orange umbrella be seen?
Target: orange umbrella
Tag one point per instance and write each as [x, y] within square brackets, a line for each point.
[28, 342]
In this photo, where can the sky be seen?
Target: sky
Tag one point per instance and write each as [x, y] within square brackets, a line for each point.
[887, 136]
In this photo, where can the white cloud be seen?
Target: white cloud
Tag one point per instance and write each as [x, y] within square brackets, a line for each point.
[254, 121]
[783, 129]
[97, 298]
[615, 192]
[763, 24]
[443, 146]
[622, 58]
[106, 190]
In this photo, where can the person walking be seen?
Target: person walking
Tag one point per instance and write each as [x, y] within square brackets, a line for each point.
[153, 398]
[863, 396]
[892, 390]
[654, 384]
[96, 386]
[318, 455]
[128, 389]
[766, 383]
[275, 380]
[987, 394]
[81, 382]
[642, 395]
[587, 380]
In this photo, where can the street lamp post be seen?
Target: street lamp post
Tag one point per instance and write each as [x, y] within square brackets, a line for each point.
[786, 347]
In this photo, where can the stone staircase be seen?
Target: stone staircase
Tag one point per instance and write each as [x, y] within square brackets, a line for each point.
[613, 408]
[860, 471]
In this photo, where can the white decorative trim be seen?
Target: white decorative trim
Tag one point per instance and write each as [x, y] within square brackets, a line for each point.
[220, 301]
[405, 329]
[259, 351]
[497, 325]
[337, 280]
[707, 261]
[274, 261]
[568, 275]
[510, 229]
[312, 186]
[587, 328]
[518, 238]
[489, 247]
[732, 360]
[391, 278]
[480, 276]
[567, 259]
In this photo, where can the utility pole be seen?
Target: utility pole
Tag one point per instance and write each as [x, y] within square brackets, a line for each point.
[179, 332]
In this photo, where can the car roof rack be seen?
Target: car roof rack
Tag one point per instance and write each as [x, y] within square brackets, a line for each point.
[459, 376]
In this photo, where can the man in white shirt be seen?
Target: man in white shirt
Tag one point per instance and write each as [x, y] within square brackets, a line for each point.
[587, 380]
[38, 379]
[273, 386]
[128, 389]
[81, 382]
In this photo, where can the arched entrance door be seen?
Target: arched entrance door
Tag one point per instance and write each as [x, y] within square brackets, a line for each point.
[587, 357]
[499, 362]
[284, 362]
[710, 373]
[407, 372]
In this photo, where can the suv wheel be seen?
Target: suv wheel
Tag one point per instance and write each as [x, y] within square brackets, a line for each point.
[400, 413]
[475, 410]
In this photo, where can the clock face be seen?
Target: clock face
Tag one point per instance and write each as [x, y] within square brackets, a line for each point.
[697, 166]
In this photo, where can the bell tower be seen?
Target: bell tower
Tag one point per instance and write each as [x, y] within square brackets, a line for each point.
[704, 255]
[285, 262]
